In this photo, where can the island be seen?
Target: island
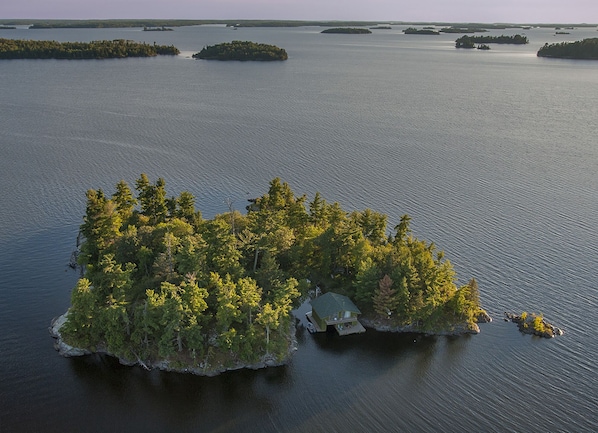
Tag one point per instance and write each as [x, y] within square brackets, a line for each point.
[454, 29]
[242, 50]
[347, 31]
[7, 27]
[531, 323]
[470, 41]
[118, 48]
[586, 49]
[162, 287]
[425, 31]
[157, 29]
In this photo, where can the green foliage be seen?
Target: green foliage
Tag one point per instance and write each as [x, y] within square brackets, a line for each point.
[586, 49]
[242, 50]
[414, 31]
[347, 30]
[118, 48]
[162, 283]
[470, 41]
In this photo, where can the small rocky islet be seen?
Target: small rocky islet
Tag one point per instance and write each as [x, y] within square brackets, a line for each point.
[535, 324]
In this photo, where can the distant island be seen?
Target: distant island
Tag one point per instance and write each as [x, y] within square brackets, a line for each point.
[123, 23]
[242, 50]
[7, 28]
[414, 31]
[347, 30]
[119, 48]
[453, 29]
[165, 288]
[381, 28]
[586, 49]
[157, 29]
[470, 41]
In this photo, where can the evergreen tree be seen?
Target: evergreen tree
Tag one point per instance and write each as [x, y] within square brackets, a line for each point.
[385, 301]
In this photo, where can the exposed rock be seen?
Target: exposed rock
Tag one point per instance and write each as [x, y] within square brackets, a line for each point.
[64, 349]
[383, 325]
[483, 317]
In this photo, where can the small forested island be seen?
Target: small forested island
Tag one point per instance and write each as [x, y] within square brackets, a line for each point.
[118, 48]
[347, 30]
[7, 27]
[470, 41]
[454, 29]
[414, 31]
[242, 50]
[163, 287]
[531, 323]
[157, 29]
[381, 28]
[586, 49]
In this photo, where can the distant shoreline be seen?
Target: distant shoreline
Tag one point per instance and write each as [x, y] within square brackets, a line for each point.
[123, 23]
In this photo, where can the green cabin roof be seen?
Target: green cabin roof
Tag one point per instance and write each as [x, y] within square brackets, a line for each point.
[332, 303]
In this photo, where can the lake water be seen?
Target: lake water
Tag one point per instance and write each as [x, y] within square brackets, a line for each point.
[494, 154]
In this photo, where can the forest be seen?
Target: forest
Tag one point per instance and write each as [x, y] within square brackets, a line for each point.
[347, 30]
[470, 41]
[414, 31]
[118, 48]
[160, 282]
[586, 49]
[242, 50]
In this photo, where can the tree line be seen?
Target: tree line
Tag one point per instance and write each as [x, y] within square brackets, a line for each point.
[162, 282]
[118, 48]
[586, 49]
[241, 50]
[470, 41]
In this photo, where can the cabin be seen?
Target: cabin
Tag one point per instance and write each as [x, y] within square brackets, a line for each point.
[336, 310]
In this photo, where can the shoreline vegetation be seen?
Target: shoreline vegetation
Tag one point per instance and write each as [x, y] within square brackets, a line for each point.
[586, 49]
[162, 287]
[118, 48]
[470, 41]
[243, 51]
[414, 31]
[347, 31]
[157, 29]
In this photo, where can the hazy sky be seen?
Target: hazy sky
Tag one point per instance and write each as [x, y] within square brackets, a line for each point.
[516, 11]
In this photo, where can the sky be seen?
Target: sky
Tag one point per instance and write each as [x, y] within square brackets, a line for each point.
[483, 11]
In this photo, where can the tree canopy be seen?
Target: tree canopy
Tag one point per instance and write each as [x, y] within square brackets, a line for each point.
[347, 30]
[469, 41]
[586, 49]
[242, 50]
[118, 48]
[162, 282]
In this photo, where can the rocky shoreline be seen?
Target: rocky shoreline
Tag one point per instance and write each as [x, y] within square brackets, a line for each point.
[533, 324]
[382, 325]
[68, 351]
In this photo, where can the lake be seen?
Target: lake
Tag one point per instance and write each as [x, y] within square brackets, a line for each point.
[492, 153]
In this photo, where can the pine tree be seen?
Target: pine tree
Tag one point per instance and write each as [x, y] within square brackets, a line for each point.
[384, 299]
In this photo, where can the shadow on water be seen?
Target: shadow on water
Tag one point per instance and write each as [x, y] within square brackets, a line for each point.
[177, 401]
